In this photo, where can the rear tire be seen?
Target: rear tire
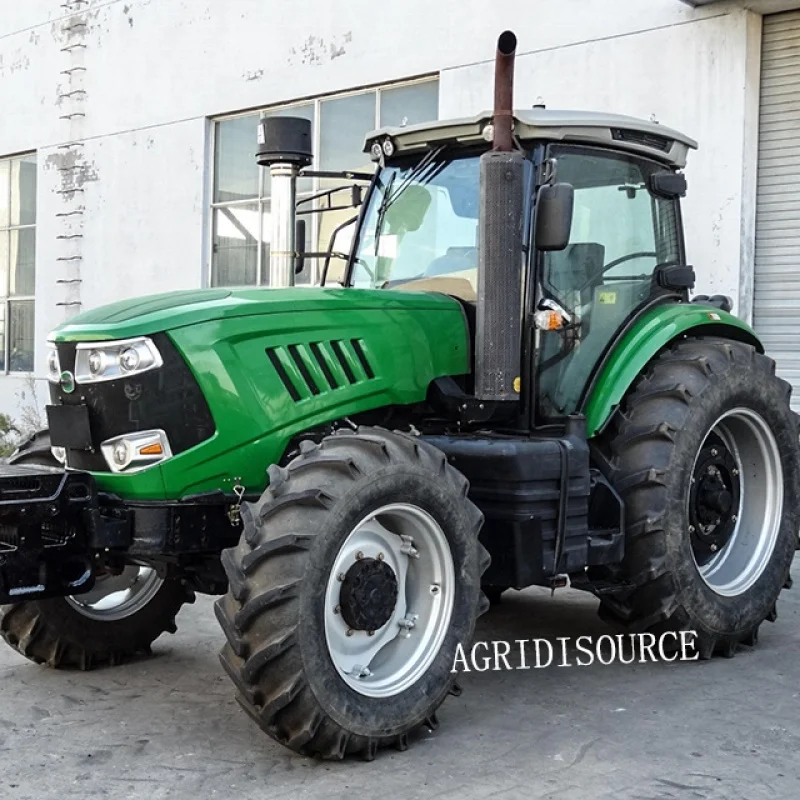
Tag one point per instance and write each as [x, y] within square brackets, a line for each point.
[284, 651]
[706, 456]
[68, 633]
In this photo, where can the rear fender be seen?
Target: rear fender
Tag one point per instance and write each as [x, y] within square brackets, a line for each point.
[648, 336]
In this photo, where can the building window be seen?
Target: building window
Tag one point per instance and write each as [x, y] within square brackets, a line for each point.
[17, 262]
[241, 199]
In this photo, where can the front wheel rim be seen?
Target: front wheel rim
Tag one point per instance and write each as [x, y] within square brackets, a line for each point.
[405, 553]
[115, 597]
[755, 481]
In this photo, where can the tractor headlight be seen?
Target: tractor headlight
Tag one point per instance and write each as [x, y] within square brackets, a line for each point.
[107, 361]
[132, 452]
[53, 366]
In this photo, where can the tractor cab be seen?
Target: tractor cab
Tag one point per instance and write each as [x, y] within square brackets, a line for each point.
[621, 242]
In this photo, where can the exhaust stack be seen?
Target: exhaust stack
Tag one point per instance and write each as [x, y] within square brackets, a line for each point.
[504, 92]
[284, 145]
[498, 337]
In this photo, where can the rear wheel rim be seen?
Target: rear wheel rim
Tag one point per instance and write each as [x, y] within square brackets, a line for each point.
[754, 482]
[115, 597]
[404, 551]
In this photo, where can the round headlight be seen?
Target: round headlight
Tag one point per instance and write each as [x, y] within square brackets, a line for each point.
[52, 364]
[388, 147]
[120, 454]
[375, 151]
[129, 359]
[96, 364]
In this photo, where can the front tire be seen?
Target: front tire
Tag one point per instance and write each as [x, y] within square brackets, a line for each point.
[356, 578]
[116, 621]
[706, 457]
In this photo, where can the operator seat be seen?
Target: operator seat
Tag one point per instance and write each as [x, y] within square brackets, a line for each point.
[456, 259]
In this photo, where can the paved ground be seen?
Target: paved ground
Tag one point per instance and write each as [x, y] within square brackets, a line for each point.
[168, 727]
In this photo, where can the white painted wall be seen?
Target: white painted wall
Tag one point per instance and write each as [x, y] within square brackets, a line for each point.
[147, 74]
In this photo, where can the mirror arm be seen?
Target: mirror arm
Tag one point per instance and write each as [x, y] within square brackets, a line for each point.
[329, 252]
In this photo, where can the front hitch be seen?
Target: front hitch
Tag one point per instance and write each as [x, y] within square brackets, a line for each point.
[46, 519]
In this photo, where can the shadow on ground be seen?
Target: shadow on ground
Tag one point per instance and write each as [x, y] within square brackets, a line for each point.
[169, 727]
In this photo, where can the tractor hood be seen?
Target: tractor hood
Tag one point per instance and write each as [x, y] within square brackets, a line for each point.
[143, 316]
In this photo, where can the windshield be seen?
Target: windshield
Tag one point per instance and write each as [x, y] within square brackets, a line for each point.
[421, 227]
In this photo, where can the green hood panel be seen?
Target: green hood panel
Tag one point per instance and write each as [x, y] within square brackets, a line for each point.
[163, 312]
[274, 363]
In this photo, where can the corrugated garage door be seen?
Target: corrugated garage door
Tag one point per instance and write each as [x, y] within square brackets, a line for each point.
[776, 312]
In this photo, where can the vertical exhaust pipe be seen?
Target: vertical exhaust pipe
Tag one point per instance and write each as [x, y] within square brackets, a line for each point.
[498, 335]
[504, 92]
[284, 145]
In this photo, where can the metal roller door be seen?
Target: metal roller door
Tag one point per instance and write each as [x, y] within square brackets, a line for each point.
[776, 312]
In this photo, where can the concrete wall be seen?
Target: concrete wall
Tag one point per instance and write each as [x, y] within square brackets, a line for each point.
[116, 95]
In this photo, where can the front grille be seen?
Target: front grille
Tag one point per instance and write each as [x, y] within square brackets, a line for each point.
[168, 398]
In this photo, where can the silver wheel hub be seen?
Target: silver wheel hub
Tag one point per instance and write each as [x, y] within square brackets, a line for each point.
[395, 565]
[116, 597]
[746, 500]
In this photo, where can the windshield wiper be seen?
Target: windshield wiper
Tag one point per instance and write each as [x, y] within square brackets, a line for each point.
[390, 196]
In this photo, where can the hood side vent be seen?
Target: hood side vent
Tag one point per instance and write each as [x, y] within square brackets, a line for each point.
[360, 350]
[345, 359]
[272, 355]
[304, 368]
[311, 369]
[322, 360]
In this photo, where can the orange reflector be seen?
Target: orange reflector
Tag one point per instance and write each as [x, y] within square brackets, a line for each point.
[549, 320]
[152, 450]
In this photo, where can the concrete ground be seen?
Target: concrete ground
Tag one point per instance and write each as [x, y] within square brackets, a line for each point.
[169, 727]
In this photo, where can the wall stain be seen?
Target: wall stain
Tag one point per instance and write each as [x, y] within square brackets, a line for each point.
[253, 74]
[316, 51]
[74, 172]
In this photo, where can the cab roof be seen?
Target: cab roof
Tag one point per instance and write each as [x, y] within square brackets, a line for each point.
[584, 127]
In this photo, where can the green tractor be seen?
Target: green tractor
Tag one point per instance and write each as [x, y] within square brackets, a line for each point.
[508, 385]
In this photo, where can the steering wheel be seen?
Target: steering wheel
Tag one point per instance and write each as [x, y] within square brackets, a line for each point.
[615, 263]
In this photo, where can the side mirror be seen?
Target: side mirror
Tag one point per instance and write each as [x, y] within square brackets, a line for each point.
[299, 245]
[668, 184]
[554, 216]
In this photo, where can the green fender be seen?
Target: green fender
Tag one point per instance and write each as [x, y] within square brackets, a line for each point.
[653, 331]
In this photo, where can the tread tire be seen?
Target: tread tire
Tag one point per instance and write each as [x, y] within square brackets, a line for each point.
[653, 443]
[273, 614]
[54, 633]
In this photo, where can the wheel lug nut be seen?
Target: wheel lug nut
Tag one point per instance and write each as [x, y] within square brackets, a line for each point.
[734, 472]
[691, 529]
[734, 518]
[337, 610]
[370, 633]
[380, 556]
[349, 631]
[359, 556]
[714, 548]
[340, 576]
[713, 451]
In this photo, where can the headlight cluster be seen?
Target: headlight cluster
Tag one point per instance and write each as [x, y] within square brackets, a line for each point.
[53, 367]
[132, 452]
[107, 361]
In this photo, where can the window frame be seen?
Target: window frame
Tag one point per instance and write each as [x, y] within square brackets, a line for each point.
[6, 298]
[260, 200]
